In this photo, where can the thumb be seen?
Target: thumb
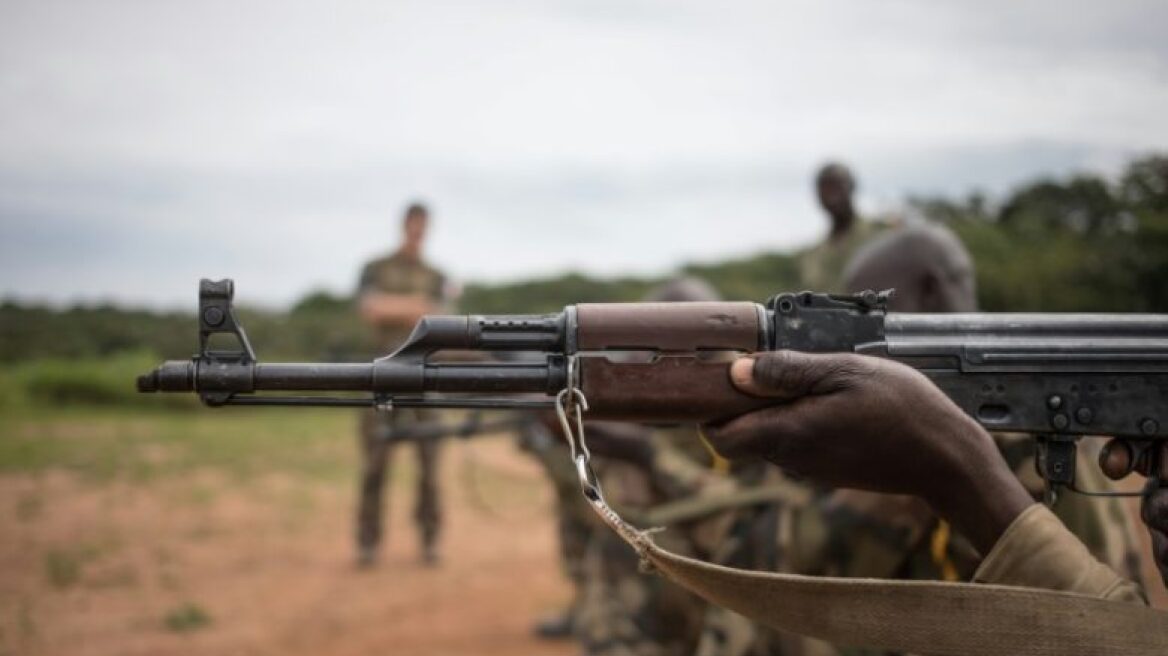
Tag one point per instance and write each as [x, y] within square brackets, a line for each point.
[791, 374]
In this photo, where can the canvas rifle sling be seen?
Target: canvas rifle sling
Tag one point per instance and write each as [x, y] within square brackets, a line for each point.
[924, 617]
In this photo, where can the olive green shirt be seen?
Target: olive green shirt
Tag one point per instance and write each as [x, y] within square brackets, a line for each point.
[1037, 551]
[400, 274]
[821, 267]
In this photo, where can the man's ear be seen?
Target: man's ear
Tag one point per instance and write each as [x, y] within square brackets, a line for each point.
[931, 291]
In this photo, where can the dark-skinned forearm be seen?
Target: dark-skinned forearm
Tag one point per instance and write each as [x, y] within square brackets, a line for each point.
[976, 491]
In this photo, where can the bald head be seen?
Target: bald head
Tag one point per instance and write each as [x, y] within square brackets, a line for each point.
[927, 265]
[683, 289]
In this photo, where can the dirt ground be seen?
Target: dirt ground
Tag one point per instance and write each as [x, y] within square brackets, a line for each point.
[198, 564]
[230, 533]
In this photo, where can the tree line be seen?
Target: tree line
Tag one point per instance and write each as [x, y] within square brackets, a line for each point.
[1083, 243]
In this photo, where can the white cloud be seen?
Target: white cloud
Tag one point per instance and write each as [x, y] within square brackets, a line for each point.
[143, 144]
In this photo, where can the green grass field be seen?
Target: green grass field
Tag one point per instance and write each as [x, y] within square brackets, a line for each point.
[136, 443]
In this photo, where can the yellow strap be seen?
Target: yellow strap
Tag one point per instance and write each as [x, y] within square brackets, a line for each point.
[718, 463]
[939, 549]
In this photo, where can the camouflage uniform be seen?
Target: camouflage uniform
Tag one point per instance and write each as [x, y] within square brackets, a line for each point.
[622, 612]
[397, 274]
[575, 520]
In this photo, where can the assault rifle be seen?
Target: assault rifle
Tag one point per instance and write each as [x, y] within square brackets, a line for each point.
[1057, 376]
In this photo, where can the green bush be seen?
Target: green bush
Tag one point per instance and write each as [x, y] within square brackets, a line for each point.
[82, 381]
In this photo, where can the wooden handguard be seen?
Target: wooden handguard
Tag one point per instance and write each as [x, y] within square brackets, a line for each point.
[679, 385]
[670, 327]
[670, 389]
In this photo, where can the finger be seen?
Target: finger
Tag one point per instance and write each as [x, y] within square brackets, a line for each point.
[1160, 553]
[1116, 459]
[754, 435]
[1154, 462]
[742, 372]
[791, 374]
[1154, 510]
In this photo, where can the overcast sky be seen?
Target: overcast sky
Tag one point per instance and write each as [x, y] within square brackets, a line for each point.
[146, 144]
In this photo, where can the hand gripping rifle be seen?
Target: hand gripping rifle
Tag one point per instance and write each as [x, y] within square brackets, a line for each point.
[1058, 376]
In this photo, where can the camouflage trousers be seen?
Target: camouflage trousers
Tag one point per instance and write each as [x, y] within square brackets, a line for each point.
[376, 461]
[575, 522]
[624, 612]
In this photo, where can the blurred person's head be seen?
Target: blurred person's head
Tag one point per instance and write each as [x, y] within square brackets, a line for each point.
[926, 264]
[679, 289]
[683, 289]
[834, 186]
[414, 228]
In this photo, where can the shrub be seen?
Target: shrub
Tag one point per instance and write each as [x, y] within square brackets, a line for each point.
[83, 381]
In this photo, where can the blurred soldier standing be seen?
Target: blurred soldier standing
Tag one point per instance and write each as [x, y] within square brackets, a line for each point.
[393, 293]
[821, 267]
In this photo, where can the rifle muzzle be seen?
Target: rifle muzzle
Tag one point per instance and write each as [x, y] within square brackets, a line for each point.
[170, 376]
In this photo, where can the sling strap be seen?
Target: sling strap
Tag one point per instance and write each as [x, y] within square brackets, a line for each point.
[925, 617]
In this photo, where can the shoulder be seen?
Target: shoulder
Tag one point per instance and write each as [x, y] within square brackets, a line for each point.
[378, 262]
[869, 229]
[430, 270]
[927, 265]
[374, 272]
[398, 262]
